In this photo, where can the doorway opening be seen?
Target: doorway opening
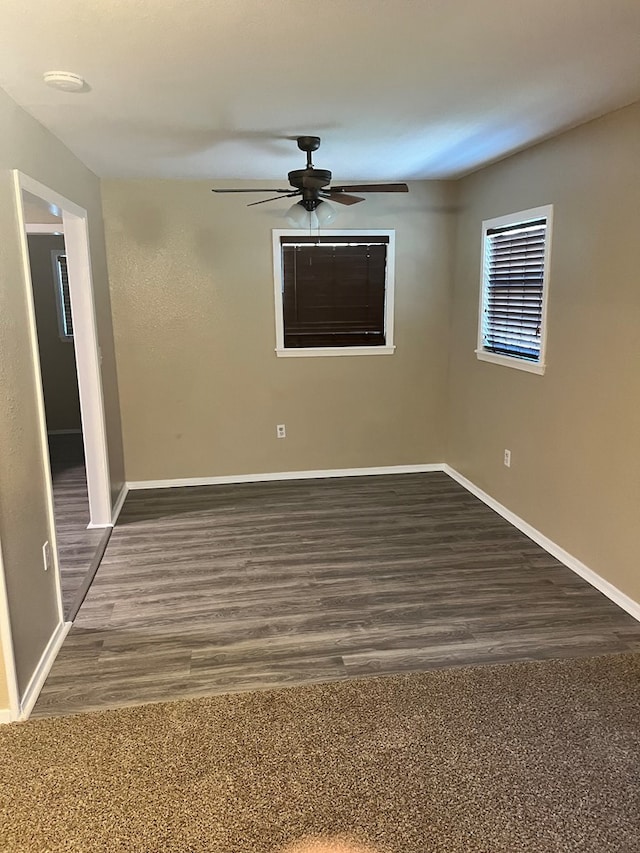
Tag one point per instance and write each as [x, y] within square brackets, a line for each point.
[67, 364]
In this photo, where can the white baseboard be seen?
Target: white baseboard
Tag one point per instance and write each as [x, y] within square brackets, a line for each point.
[617, 596]
[115, 511]
[6, 716]
[42, 669]
[285, 475]
[117, 507]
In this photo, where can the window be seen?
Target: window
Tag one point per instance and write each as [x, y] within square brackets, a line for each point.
[63, 299]
[514, 289]
[334, 292]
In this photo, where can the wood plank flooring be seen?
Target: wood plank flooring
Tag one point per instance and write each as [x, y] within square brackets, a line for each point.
[79, 549]
[211, 589]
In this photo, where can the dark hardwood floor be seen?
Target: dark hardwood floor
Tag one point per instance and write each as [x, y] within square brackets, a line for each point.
[79, 549]
[211, 589]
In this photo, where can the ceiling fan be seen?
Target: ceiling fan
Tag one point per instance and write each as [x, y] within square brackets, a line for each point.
[314, 184]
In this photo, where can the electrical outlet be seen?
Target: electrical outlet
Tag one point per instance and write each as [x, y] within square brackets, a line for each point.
[507, 458]
[46, 556]
[281, 432]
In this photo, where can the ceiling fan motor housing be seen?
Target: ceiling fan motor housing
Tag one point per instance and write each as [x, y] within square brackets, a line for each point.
[309, 178]
[310, 182]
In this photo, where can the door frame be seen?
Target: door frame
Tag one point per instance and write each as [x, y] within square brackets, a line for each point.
[88, 356]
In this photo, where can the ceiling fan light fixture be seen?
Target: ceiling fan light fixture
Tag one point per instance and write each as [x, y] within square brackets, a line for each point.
[325, 212]
[299, 217]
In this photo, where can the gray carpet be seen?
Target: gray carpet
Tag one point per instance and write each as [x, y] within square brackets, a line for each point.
[523, 757]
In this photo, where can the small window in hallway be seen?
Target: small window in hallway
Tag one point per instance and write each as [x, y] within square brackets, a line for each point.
[63, 299]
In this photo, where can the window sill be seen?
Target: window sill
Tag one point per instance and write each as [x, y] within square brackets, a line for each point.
[508, 361]
[306, 352]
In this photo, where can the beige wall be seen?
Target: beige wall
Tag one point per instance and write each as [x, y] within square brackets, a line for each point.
[57, 356]
[574, 433]
[201, 387]
[26, 145]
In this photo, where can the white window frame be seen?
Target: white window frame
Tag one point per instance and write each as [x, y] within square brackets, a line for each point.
[514, 219]
[57, 283]
[278, 282]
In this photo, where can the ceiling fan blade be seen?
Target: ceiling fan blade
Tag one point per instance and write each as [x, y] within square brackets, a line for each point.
[270, 190]
[373, 188]
[274, 198]
[341, 198]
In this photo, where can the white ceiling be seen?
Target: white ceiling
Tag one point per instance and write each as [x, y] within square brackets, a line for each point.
[397, 89]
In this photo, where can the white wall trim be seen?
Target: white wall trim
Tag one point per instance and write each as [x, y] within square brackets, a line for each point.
[285, 475]
[42, 669]
[613, 593]
[51, 228]
[313, 352]
[117, 507]
[122, 495]
[507, 361]
[88, 360]
[46, 194]
[54, 228]
[6, 716]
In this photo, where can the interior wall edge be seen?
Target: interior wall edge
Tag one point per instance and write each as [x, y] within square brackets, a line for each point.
[118, 504]
[43, 668]
[8, 678]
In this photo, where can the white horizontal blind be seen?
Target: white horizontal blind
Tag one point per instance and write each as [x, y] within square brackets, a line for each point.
[513, 289]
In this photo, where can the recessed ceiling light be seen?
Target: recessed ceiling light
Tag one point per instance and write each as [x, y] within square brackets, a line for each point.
[64, 80]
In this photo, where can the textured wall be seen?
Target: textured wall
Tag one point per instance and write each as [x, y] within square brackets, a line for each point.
[26, 145]
[574, 433]
[57, 357]
[201, 387]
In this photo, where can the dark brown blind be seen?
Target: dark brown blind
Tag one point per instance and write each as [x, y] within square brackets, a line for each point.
[513, 295]
[65, 298]
[334, 291]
